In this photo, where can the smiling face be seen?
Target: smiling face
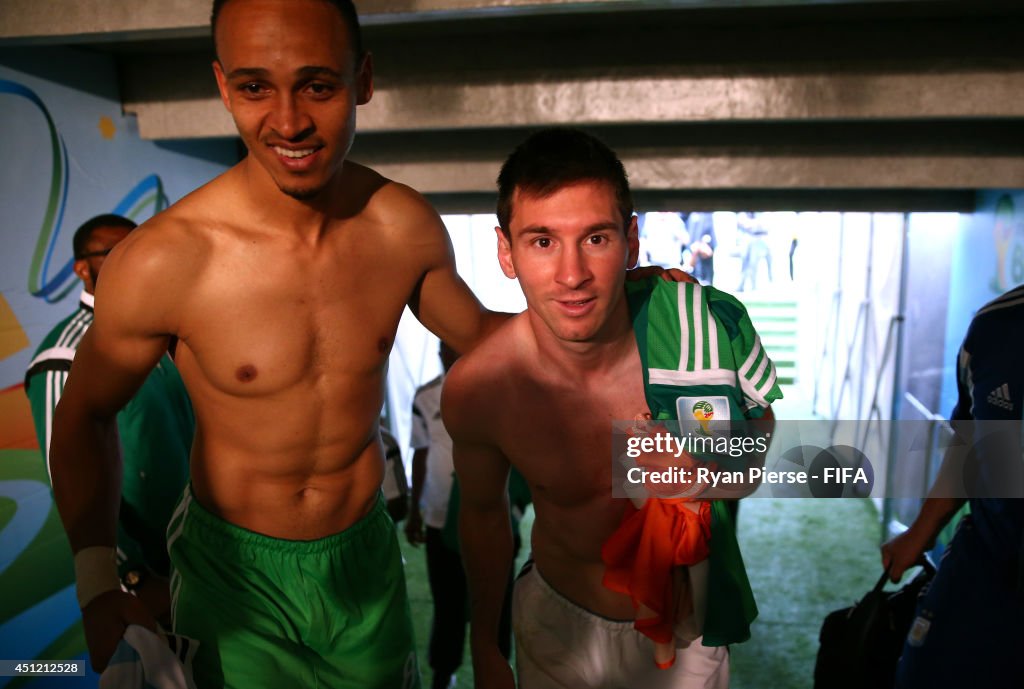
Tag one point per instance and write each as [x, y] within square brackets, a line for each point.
[570, 252]
[288, 74]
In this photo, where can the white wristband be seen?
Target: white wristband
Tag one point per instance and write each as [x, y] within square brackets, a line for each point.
[95, 573]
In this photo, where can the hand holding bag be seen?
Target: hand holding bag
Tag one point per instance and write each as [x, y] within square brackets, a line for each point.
[861, 645]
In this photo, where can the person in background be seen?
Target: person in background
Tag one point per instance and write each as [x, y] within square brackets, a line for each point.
[793, 242]
[155, 427]
[433, 519]
[756, 249]
[968, 629]
[701, 227]
[664, 239]
[395, 486]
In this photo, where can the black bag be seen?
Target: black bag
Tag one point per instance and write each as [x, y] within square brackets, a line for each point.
[860, 645]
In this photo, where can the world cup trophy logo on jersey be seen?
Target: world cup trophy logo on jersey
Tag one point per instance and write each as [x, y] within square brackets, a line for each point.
[703, 411]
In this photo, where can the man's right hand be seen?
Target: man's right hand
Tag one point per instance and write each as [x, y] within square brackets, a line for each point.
[105, 618]
[414, 527]
[155, 594]
[904, 551]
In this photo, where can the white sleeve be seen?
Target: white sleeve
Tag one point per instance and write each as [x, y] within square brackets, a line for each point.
[419, 435]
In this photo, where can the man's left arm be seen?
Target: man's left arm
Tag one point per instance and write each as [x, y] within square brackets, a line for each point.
[446, 306]
[441, 300]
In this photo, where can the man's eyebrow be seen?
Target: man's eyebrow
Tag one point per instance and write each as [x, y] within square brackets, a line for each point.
[306, 72]
[317, 71]
[247, 72]
[544, 229]
[598, 227]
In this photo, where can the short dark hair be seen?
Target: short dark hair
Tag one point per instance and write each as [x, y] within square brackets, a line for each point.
[553, 158]
[348, 14]
[84, 233]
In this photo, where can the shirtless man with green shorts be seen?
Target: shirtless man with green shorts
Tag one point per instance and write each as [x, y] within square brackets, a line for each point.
[284, 280]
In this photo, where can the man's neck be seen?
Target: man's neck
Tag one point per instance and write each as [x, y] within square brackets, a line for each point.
[607, 350]
[280, 210]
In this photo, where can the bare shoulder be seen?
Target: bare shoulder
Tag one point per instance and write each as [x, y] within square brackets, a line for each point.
[483, 383]
[168, 245]
[180, 240]
[385, 198]
[147, 275]
[398, 211]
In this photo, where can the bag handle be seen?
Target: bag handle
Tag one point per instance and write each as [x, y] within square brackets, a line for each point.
[924, 561]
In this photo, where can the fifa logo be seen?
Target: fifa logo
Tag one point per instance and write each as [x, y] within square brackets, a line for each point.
[703, 411]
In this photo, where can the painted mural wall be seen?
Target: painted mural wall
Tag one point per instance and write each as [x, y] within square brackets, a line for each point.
[67, 153]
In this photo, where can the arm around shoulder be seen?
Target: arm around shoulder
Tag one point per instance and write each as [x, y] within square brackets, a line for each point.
[442, 301]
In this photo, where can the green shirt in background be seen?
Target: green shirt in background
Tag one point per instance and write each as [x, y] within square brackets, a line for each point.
[155, 427]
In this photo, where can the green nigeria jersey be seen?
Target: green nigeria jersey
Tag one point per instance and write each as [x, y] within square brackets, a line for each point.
[697, 345]
[155, 429]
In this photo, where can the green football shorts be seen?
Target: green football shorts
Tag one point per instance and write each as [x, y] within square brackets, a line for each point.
[269, 612]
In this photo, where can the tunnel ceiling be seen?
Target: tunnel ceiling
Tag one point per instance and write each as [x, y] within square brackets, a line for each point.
[705, 101]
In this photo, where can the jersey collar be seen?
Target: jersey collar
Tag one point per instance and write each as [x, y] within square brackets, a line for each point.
[86, 300]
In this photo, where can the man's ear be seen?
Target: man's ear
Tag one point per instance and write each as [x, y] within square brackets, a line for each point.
[222, 84]
[81, 268]
[633, 241]
[364, 80]
[505, 254]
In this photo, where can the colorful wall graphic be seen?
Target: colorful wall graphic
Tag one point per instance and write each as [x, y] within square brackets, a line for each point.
[67, 153]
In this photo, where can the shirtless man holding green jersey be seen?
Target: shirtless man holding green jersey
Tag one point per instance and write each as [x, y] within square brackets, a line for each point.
[542, 394]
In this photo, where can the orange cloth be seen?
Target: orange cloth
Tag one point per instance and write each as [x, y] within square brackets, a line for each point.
[640, 555]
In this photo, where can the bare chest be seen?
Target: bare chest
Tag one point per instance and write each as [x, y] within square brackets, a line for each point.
[257, 323]
[563, 443]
